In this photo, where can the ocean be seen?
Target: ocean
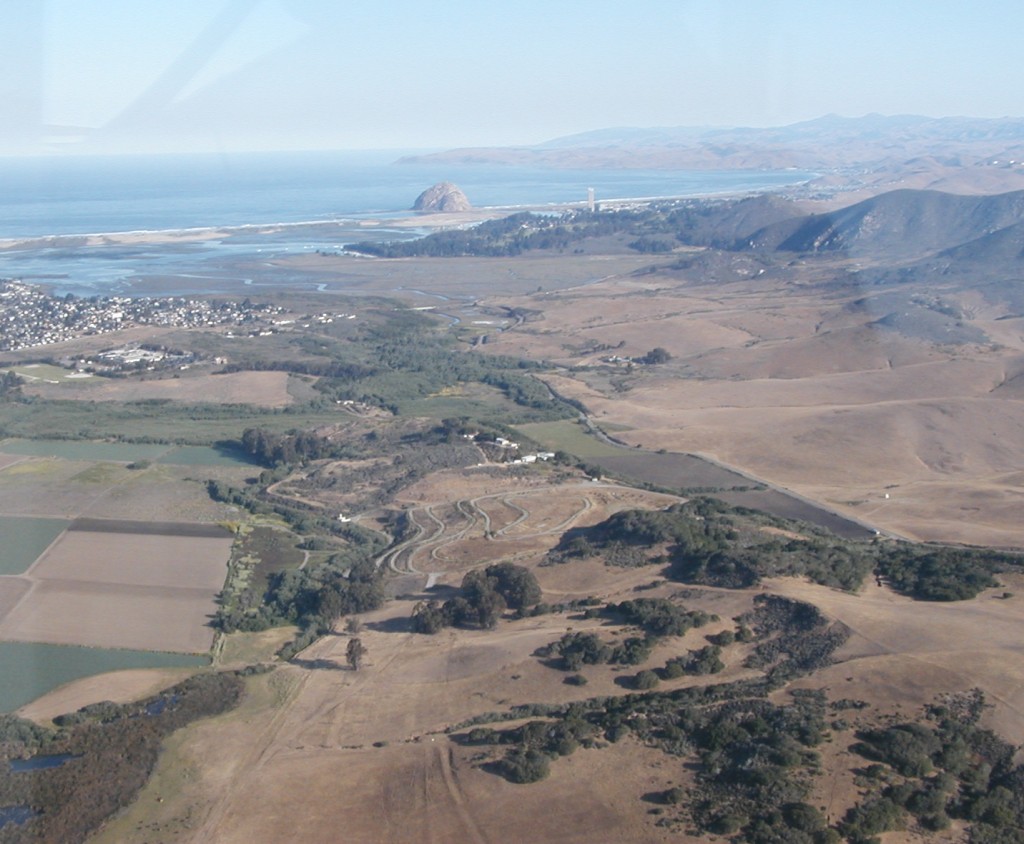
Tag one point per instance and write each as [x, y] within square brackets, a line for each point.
[40, 197]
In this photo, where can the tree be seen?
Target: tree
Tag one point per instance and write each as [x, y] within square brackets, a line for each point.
[484, 604]
[428, 617]
[656, 355]
[517, 585]
[355, 653]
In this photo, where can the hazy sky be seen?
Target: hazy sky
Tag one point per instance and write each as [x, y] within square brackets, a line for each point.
[232, 75]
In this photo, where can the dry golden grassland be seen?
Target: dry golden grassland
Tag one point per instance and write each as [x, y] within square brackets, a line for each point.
[796, 384]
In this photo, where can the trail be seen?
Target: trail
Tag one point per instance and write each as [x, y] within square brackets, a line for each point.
[255, 757]
[402, 558]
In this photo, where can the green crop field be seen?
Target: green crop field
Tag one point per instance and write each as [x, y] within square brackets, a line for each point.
[24, 539]
[569, 436]
[31, 670]
[47, 372]
[162, 422]
[78, 450]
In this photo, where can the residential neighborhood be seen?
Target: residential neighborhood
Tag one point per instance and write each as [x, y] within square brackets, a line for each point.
[29, 316]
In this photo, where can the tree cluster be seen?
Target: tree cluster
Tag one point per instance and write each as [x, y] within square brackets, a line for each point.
[707, 542]
[484, 596]
[940, 768]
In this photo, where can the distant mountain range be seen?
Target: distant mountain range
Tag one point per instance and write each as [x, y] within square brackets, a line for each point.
[873, 153]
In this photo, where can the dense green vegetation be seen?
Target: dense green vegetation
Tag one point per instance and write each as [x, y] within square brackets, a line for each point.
[484, 596]
[398, 358]
[411, 360]
[705, 541]
[510, 235]
[659, 227]
[756, 759]
[942, 767]
[111, 750]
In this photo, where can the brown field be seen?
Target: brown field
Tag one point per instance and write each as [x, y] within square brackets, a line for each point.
[369, 747]
[116, 686]
[905, 652]
[113, 616]
[422, 786]
[12, 590]
[318, 721]
[121, 590]
[795, 384]
[136, 559]
[9, 460]
[266, 389]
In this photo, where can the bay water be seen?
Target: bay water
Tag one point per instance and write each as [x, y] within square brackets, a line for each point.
[46, 196]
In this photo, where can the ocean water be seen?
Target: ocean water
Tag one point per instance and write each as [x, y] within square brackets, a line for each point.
[90, 195]
[79, 195]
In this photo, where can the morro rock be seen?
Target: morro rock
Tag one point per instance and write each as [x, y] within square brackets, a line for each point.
[444, 196]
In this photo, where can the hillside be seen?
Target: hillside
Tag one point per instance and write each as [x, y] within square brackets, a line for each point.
[897, 225]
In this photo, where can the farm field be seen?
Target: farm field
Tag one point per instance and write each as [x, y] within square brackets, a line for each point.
[86, 571]
[78, 450]
[189, 455]
[24, 539]
[195, 424]
[48, 373]
[143, 591]
[203, 455]
[31, 669]
[53, 487]
[570, 436]
[264, 389]
[104, 615]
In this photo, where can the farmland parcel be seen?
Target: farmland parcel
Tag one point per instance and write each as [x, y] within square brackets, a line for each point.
[112, 588]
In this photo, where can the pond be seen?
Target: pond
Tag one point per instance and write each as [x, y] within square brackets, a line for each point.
[40, 763]
[15, 815]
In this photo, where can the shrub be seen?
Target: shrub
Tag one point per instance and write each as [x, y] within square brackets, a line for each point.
[525, 766]
[645, 681]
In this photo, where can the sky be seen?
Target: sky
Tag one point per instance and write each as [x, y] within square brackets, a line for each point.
[124, 76]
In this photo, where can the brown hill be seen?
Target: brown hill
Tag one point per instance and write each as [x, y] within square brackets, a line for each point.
[898, 225]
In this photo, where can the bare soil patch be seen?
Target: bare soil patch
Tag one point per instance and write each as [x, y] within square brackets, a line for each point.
[119, 590]
[107, 615]
[137, 559]
[9, 460]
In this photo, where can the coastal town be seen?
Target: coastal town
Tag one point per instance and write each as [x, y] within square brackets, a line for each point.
[30, 316]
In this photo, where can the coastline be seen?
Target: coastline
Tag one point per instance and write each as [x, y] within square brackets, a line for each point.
[399, 220]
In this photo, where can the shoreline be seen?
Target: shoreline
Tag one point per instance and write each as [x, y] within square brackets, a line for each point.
[400, 220]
